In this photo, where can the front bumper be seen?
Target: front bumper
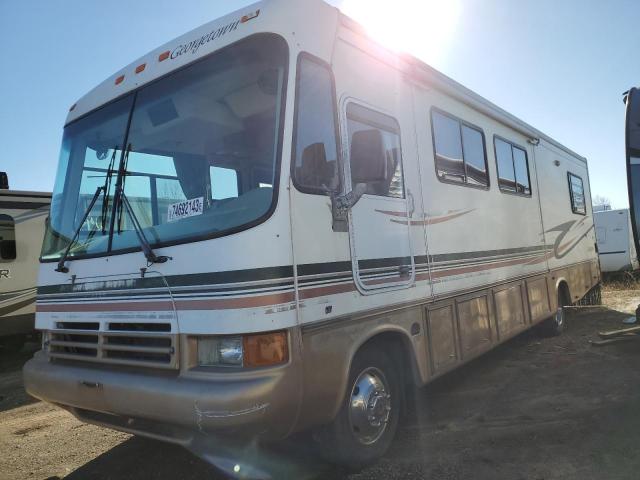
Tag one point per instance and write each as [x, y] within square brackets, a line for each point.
[178, 408]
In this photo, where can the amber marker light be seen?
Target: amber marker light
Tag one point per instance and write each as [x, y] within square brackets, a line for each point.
[163, 56]
[265, 349]
[119, 80]
[141, 67]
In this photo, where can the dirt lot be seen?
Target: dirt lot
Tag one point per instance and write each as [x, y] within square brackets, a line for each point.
[531, 409]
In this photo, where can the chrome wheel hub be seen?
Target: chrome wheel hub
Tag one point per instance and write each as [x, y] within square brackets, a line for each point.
[370, 406]
[560, 316]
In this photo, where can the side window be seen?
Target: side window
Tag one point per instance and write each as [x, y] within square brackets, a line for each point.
[315, 150]
[576, 191]
[513, 167]
[375, 154]
[459, 151]
[224, 183]
[7, 239]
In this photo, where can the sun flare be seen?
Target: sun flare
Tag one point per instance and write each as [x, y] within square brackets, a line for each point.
[423, 28]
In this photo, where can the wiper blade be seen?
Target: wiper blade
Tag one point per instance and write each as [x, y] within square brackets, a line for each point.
[122, 178]
[146, 247]
[61, 267]
[107, 187]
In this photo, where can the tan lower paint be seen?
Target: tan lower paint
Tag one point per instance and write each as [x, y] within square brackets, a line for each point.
[430, 338]
[452, 331]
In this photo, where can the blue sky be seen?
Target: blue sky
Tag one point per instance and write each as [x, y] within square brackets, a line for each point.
[560, 66]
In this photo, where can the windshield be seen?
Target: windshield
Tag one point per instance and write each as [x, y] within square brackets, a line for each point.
[198, 159]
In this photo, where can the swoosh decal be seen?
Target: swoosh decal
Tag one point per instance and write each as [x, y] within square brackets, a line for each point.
[427, 219]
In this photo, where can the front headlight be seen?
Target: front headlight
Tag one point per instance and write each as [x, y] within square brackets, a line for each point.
[220, 351]
[255, 350]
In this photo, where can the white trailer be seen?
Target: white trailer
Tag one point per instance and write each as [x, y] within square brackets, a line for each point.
[317, 223]
[614, 235]
[22, 225]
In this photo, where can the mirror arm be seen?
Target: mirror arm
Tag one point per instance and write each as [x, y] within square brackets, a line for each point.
[342, 203]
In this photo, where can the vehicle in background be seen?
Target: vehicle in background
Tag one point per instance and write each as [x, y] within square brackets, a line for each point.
[616, 247]
[22, 225]
[272, 224]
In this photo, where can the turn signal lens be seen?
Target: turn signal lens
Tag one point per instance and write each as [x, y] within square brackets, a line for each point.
[265, 349]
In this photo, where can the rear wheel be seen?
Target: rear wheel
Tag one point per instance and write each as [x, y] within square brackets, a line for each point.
[367, 422]
[555, 325]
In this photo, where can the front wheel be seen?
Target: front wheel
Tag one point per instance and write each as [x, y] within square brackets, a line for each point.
[367, 422]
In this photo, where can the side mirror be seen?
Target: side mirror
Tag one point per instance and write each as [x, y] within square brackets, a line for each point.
[367, 158]
[8, 249]
[368, 166]
[4, 181]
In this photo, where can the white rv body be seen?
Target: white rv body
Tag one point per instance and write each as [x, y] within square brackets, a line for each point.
[614, 235]
[22, 222]
[439, 270]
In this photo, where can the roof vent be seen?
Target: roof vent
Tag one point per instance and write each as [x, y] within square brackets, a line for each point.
[4, 181]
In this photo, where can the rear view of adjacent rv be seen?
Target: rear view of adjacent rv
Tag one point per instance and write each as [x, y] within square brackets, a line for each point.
[22, 224]
[616, 248]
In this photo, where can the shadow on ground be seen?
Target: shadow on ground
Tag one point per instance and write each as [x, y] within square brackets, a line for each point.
[12, 392]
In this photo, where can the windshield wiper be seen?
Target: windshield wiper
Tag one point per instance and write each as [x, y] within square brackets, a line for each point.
[61, 267]
[107, 187]
[120, 200]
[146, 247]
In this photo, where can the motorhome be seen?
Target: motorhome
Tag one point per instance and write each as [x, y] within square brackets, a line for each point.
[632, 153]
[22, 225]
[614, 236]
[273, 224]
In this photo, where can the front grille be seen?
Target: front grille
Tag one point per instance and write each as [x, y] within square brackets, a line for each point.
[139, 344]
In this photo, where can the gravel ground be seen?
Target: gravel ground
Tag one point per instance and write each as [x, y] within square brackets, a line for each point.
[531, 409]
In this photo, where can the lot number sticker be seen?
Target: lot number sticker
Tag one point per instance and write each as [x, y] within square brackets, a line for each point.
[188, 208]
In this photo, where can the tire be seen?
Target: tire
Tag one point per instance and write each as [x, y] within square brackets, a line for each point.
[555, 325]
[359, 436]
[13, 343]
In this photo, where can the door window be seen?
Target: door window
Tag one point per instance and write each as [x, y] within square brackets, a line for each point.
[375, 152]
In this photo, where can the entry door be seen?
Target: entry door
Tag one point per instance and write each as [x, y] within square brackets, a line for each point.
[379, 223]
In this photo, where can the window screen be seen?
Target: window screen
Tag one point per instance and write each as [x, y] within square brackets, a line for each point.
[7, 238]
[576, 191]
[459, 150]
[315, 165]
[513, 167]
[375, 154]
